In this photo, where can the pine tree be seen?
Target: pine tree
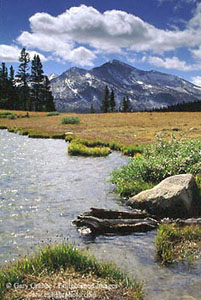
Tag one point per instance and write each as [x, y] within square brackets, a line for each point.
[112, 101]
[23, 79]
[37, 79]
[48, 99]
[126, 105]
[12, 91]
[105, 105]
[92, 110]
[4, 86]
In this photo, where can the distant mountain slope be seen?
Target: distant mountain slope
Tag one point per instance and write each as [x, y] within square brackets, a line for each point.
[76, 89]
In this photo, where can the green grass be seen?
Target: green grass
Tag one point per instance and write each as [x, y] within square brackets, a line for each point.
[132, 149]
[158, 161]
[76, 148]
[175, 243]
[8, 115]
[61, 257]
[58, 136]
[91, 143]
[23, 132]
[70, 120]
[13, 129]
[38, 136]
[3, 127]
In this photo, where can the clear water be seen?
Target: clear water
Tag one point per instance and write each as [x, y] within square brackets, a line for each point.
[42, 190]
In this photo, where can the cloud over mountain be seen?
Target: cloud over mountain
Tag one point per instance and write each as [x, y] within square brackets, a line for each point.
[77, 34]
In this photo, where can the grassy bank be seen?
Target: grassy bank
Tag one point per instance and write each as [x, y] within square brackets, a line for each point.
[175, 243]
[64, 269]
[159, 161]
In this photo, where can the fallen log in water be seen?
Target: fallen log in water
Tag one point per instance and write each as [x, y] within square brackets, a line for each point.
[101, 221]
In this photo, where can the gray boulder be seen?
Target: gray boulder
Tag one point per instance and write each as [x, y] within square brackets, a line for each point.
[176, 197]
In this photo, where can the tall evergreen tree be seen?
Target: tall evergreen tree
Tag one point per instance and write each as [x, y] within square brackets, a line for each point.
[112, 101]
[105, 105]
[12, 75]
[37, 79]
[23, 78]
[92, 110]
[48, 100]
[4, 86]
[13, 96]
[126, 105]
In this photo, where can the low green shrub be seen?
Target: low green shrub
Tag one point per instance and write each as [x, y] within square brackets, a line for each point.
[61, 257]
[70, 120]
[158, 161]
[53, 113]
[3, 127]
[78, 149]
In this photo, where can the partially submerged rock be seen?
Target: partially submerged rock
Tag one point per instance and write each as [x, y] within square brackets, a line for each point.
[176, 197]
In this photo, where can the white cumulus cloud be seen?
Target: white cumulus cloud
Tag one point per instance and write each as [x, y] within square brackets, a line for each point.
[80, 33]
[172, 63]
[11, 53]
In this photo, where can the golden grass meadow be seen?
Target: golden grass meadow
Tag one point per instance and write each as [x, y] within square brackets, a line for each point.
[125, 128]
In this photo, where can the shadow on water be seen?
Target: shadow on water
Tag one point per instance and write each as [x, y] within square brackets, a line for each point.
[42, 190]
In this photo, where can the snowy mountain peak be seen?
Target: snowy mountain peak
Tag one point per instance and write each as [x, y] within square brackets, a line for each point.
[52, 76]
[76, 89]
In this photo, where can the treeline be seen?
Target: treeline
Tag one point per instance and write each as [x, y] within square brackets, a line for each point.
[109, 103]
[25, 91]
[184, 106]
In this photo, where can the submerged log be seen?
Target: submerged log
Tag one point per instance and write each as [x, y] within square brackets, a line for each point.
[101, 221]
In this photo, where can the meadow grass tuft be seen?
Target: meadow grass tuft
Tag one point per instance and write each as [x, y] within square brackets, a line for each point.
[174, 243]
[52, 113]
[76, 148]
[61, 257]
[23, 132]
[70, 120]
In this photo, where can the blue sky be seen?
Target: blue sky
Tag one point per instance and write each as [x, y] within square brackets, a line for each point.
[163, 35]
